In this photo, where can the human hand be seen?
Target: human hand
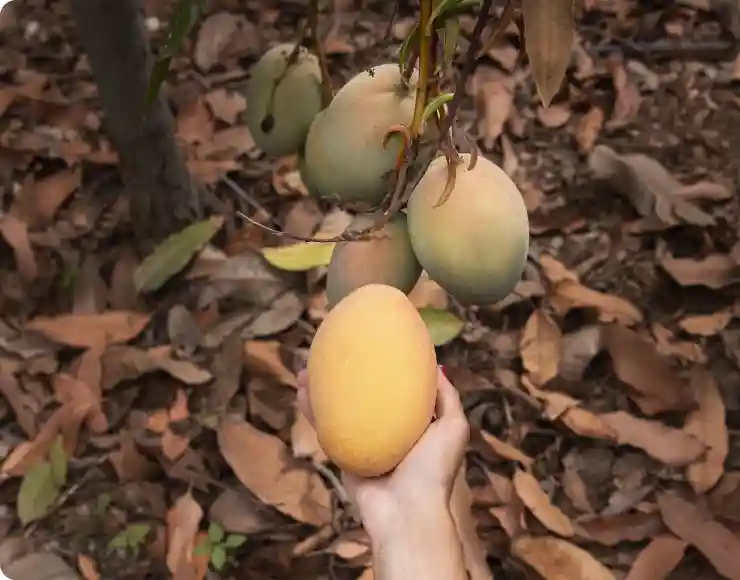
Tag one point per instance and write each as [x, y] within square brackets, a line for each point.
[423, 481]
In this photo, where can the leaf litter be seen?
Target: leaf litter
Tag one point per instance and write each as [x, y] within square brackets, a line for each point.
[603, 395]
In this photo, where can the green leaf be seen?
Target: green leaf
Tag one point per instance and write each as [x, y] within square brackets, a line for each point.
[443, 326]
[442, 6]
[37, 493]
[412, 39]
[136, 533]
[119, 541]
[451, 38]
[185, 14]
[436, 104]
[218, 557]
[159, 73]
[299, 257]
[235, 541]
[203, 548]
[215, 533]
[174, 254]
[58, 462]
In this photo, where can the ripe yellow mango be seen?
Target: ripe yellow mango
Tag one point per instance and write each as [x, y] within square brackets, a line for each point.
[372, 373]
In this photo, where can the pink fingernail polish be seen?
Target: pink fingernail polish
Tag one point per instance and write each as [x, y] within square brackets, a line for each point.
[444, 371]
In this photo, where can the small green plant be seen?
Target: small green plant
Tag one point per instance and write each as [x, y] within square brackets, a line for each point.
[130, 539]
[42, 485]
[102, 503]
[218, 545]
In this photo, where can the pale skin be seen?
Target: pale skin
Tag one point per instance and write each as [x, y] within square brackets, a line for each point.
[407, 513]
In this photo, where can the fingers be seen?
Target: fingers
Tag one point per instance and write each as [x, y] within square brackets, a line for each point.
[449, 410]
[304, 403]
[447, 438]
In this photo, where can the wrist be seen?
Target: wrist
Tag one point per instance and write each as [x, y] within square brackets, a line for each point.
[399, 518]
[422, 543]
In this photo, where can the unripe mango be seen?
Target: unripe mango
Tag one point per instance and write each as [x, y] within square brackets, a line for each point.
[385, 258]
[344, 153]
[474, 245]
[372, 375]
[280, 128]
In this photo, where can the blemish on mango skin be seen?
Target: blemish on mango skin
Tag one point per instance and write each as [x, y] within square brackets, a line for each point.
[372, 373]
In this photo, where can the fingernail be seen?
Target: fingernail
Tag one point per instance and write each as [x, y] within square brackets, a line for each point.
[444, 370]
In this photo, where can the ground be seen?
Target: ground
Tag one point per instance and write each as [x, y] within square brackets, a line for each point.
[603, 396]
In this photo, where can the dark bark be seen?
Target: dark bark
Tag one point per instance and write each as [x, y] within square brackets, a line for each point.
[163, 197]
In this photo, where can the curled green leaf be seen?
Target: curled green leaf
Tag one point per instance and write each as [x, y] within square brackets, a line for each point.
[435, 105]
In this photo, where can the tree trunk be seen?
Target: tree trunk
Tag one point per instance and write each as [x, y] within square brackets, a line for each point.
[162, 195]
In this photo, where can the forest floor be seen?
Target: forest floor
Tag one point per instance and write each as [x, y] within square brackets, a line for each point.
[603, 397]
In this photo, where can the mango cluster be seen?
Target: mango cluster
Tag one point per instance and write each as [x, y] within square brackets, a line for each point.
[372, 364]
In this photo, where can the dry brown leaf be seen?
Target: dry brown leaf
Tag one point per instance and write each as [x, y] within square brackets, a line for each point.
[569, 295]
[649, 186]
[125, 363]
[87, 567]
[706, 324]
[183, 522]
[556, 559]
[638, 364]
[695, 525]
[493, 92]
[666, 444]
[239, 511]
[724, 499]
[227, 368]
[589, 128]
[91, 330]
[574, 486]
[541, 347]
[714, 271]
[69, 389]
[658, 559]
[554, 116]
[549, 34]
[628, 101]
[502, 488]
[37, 202]
[39, 565]
[708, 425]
[263, 357]
[195, 122]
[15, 233]
[506, 450]
[261, 462]
[611, 530]
[428, 294]
[27, 454]
[528, 490]
[461, 506]
[511, 518]
[129, 463]
[215, 34]
[226, 105]
[562, 407]
[303, 439]
[669, 346]
[24, 405]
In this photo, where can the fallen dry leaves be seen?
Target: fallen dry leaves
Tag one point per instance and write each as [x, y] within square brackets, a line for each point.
[602, 394]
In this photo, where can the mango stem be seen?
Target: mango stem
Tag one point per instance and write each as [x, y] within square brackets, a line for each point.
[425, 62]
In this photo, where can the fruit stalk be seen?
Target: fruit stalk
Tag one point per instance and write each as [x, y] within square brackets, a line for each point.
[425, 62]
[312, 29]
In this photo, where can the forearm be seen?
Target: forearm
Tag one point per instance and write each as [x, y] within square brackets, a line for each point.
[427, 547]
